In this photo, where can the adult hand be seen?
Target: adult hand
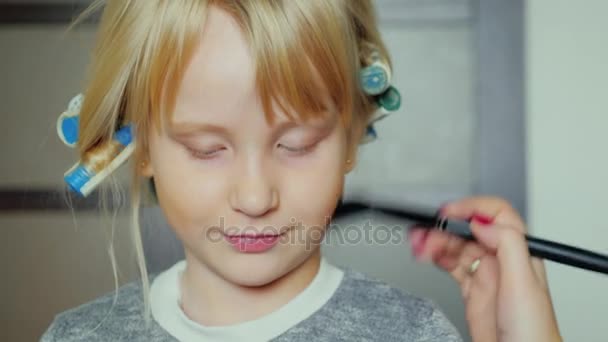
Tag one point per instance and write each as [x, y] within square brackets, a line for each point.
[504, 289]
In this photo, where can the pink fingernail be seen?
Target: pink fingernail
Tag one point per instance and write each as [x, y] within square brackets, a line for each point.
[415, 237]
[482, 219]
[418, 248]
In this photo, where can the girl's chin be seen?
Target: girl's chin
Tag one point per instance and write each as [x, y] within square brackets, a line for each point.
[253, 270]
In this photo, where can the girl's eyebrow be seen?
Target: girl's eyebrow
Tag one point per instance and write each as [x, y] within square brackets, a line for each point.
[186, 129]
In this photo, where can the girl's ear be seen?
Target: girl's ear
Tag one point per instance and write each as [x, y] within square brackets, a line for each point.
[351, 157]
[146, 169]
[350, 164]
[352, 149]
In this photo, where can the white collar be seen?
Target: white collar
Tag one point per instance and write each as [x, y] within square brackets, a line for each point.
[165, 295]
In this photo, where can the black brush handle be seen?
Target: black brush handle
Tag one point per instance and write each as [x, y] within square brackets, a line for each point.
[540, 248]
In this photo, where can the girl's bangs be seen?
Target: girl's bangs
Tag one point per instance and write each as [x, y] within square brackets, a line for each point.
[302, 65]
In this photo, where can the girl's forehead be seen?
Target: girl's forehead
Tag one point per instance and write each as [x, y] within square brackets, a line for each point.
[219, 82]
[221, 74]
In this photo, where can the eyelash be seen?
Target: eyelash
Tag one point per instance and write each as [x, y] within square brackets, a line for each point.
[206, 155]
[299, 151]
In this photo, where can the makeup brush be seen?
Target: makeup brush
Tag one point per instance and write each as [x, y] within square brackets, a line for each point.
[429, 218]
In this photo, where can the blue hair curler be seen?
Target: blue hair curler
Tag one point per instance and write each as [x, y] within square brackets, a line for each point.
[67, 124]
[86, 175]
[100, 161]
[390, 100]
[375, 79]
[67, 128]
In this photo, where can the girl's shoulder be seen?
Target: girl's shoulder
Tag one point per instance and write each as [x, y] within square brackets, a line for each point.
[366, 308]
[114, 316]
[363, 289]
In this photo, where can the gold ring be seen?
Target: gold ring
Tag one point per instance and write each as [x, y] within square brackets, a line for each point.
[474, 265]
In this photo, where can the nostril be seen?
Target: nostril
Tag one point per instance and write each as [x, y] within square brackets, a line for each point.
[256, 204]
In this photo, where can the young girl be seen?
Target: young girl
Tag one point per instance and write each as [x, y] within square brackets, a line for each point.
[246, 116]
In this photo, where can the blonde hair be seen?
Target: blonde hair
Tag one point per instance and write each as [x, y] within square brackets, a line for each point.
[144, 46]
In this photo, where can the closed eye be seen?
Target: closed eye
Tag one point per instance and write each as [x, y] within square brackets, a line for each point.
[298, 150]
[206, 154]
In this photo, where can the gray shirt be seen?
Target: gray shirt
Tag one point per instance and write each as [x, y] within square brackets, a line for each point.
[362, 308]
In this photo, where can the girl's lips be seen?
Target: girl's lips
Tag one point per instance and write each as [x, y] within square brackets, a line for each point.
[249, 243]
[252, 236]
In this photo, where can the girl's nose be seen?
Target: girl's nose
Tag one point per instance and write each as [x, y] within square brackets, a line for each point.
[254, 194]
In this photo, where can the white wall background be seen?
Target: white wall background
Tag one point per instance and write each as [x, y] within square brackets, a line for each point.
[567, 123]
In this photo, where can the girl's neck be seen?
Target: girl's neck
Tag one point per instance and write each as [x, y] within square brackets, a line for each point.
[211, 300]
